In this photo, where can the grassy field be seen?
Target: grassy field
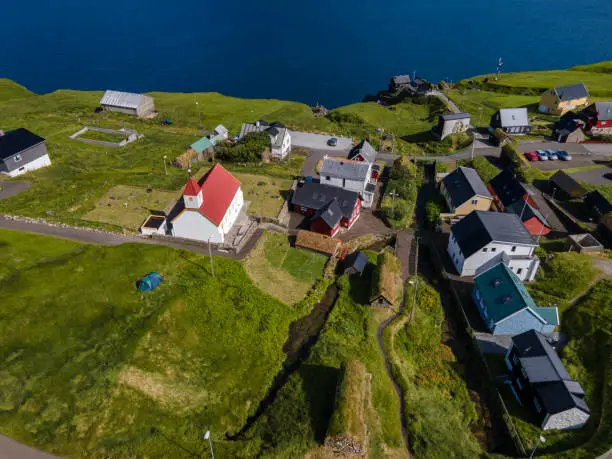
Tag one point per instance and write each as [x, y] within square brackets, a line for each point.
[93, 368]
[274, 263]
[431, 383]
[472, 101]
[140, 202]
[297, 421]
[9, 90]
[266, 194]
[598, 82]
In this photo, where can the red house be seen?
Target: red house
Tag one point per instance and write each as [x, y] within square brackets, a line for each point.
[363, 152]
[329, 208]
[532, 218]
[599, 118]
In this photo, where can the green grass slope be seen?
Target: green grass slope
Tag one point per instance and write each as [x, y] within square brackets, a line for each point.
[90, 367]
[10, 90]
[600, 67]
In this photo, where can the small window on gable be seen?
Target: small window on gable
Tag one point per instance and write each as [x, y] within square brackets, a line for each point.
[474, 201]
[17, 158]
[485, 249]
[493, 249]
[519, 271]
[513, 248]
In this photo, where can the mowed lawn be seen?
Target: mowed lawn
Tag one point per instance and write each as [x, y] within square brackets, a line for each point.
[128, 206]
[90, 367]
[267, 194]
[282, 271]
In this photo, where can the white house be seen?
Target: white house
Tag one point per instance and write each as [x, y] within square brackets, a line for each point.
[481, 236]
[280, 137]
[22, 151]
[350, 175]
[208, 209]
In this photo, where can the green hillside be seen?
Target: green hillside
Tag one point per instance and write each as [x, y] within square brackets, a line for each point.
[600, 67]
[11, 90]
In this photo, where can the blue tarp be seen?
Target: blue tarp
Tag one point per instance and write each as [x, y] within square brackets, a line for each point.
[149, 282]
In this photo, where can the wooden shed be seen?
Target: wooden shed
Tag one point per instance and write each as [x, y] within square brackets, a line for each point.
[387, 286]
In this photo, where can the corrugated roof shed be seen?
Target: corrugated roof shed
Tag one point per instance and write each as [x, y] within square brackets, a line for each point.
[122, 99]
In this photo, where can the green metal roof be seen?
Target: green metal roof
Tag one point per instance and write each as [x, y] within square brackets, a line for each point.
[549, 314]
[503, 292]
[202, 144]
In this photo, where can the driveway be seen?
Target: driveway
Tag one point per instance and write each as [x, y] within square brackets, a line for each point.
[8, 189]
[594, 176]
[10, 449]
[319, 142]
[577, 161]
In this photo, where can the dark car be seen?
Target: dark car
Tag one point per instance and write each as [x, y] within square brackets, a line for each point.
[332, 142]
[608, 176]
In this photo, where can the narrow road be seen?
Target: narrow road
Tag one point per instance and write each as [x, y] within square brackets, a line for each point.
[405, 259]
[114, 239]
[10, 449]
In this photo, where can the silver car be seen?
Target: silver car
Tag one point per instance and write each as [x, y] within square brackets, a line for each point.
[552, 155]
[542, 154]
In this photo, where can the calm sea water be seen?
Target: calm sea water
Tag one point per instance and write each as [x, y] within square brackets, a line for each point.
[328, 51]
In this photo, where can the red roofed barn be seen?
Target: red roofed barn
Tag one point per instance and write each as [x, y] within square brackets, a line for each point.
[209, 208]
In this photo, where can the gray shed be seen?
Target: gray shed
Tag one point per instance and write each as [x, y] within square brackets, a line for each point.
[128, 103]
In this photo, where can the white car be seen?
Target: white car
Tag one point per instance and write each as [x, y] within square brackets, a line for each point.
[542, 154]
[552, 155]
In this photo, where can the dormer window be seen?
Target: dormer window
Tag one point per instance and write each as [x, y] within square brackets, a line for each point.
[506, 299]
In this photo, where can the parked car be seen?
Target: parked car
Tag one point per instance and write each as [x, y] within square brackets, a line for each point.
[563, 155]
[531, 156]
[608, 175]
[552, 155]
[542, 155]
[332, 142]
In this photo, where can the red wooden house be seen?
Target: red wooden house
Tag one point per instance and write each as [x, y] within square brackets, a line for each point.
[532, 218]
[598, 117]
[329, 208]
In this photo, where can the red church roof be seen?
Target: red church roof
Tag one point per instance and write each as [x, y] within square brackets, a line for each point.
[218, 190]
[192, 188]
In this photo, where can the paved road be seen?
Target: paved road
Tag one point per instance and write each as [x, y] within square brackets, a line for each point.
[8, 189]
[319, 142]
[10, 449]
[595, 176]
[104, 238]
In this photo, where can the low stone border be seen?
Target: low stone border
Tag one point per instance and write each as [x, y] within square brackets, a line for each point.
[131, 134]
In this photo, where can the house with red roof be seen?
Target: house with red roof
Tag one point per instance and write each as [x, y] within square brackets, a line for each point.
[208, 208]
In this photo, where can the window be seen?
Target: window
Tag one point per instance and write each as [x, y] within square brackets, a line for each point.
[519, 271]
[524, 373]
[474, 201]
[485, 249]
[493, 249]
[519, 384]
[515, 359]
[17, 158]
[513, 248]
[537, 405]
[328, 178]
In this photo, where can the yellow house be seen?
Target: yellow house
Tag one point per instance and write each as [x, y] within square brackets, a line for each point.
[558, 101]
[464, 191]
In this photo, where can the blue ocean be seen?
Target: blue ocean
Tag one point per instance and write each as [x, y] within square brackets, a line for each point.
[329, 51]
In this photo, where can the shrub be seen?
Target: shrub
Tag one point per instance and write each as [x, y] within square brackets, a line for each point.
[249, 149]
[403, 168]
[485, 169]
[432, 210]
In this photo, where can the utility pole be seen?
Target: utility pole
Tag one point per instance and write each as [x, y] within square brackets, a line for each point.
[416, 281]
[473, 144]
[212, 269]
[207, 437]
[381, 137]
[199, 116]
[540, 440]
[393, 195]
[165, 167]
[545, 222]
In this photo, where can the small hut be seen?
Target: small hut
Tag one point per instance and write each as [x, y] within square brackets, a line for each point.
[355, 263]
[387, 281]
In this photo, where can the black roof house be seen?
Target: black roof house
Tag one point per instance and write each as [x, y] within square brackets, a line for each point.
[355, 263]
[479, 228]
[571, 92]
[463, 184]
[596, 204]
[17, 141]
[566, 187]
[507, 188]
[543, 377]
[328, 202]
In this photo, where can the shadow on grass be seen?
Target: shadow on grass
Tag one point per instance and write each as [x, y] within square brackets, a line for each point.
[319, 384]
[173, 441]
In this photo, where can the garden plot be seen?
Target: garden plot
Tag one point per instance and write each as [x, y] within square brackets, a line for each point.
[106, 137]
[128, 206]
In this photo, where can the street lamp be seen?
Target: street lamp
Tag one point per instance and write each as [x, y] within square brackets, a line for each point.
[165, 167]
[393, 195]
[189, 172]
[540, 440]
[207, 437]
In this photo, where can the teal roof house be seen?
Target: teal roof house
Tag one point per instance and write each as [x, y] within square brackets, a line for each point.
[506, 306]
